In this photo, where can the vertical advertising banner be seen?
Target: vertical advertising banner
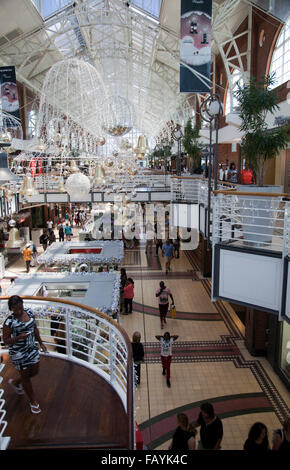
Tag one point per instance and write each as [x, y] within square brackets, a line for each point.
[195, 46]
[9, 92]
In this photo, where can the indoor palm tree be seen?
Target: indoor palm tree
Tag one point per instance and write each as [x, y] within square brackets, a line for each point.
[259, 143]
[190, 142]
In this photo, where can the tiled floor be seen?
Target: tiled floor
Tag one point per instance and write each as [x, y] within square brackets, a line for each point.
[210, 361]
[233, 382]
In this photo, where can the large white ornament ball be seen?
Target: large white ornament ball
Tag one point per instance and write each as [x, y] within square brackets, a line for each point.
[78, 185]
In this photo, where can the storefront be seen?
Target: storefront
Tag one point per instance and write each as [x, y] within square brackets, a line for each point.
[284, 353]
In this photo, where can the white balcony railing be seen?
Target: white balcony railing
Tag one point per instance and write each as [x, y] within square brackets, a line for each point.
[193, 189]
[4, 440]
[88, 337]
[185, 189]
[50, 183]
[260, 221]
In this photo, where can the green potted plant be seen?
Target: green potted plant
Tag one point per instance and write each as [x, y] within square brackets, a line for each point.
[259, 143]
[190, 142]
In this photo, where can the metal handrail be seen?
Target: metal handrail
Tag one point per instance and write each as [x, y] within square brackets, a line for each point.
[4, 440]
[256, 194]
[259, 220]
[119, 361]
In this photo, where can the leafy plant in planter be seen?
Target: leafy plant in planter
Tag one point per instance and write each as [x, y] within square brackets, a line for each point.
[190, 143]
[164, 151]
[259, 144]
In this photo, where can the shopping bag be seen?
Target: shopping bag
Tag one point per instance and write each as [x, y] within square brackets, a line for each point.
[173, 311]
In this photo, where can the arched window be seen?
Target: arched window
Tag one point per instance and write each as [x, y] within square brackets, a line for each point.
[280, 63]
[231, 101]
[32, 124]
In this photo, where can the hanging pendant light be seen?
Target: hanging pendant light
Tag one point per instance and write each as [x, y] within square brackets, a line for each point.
[28, 189]
[60, 186]
[5, 173]
[73, 167]
[41, 147]
[99, 175]
[14, 240]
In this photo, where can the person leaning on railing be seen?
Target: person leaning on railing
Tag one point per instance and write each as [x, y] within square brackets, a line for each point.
[247, 175]
[232, 173]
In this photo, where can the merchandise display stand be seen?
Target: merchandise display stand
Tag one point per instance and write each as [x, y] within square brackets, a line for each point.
[83, 256]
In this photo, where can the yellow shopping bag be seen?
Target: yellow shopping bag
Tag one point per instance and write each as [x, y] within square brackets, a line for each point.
[173, 311]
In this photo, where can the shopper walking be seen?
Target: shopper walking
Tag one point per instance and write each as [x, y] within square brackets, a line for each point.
[257, 439]
[129, 295]
[19, 333]
[49, 224]
[122, 285]
[60, 232]
[138, 355]
[158, 244]
[168, 252]
[166, 354]
[184, 436]
[43, 240]
[163, 293]
[211, 428]
[34, 259]
[176, 244]
[68, 232]
[51, 237]
[27, 256]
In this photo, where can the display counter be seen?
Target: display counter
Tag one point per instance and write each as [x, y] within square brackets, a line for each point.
[83, 255]
[101, 290]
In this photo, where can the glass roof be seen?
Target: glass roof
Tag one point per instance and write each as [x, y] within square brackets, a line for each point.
[48, 7]
[150, 6]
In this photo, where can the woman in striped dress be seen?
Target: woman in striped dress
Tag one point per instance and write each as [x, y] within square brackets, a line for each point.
[19, 333]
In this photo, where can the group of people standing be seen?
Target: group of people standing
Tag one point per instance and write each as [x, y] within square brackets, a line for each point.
[211, 434]
[231, 174]
[79, 217]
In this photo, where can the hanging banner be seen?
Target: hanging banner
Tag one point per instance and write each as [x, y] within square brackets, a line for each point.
[9, 92]
[195, 46]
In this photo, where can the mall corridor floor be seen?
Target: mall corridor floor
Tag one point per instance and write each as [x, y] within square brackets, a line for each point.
[209, 363]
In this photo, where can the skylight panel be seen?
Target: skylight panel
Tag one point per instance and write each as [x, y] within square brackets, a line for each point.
[49, 7]
[150, 6]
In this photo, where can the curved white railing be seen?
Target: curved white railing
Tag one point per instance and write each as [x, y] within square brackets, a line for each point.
[4, 440]
[86, 336]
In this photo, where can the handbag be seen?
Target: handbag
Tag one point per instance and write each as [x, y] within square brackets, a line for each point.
[173, 311]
